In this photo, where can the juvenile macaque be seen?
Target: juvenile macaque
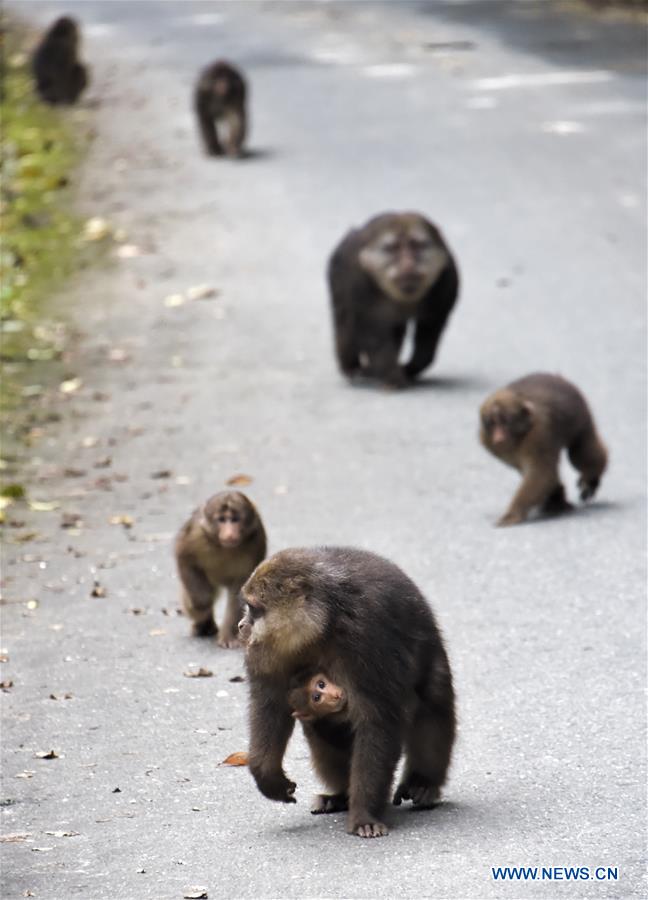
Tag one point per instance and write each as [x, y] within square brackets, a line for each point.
[316, 698]
[220, 104]
[60, 76]
[527, 424]
[218, 548]
[359, 619]
[394, 270]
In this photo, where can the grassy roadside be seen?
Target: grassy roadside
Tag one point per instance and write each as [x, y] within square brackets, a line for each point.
[41, 240]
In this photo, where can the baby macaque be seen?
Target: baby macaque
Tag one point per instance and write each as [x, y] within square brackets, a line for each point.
[527, 425]
[318, 697]
[219, 547]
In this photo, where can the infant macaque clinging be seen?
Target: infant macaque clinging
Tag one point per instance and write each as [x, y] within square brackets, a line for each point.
[527, 424]
[218, 547]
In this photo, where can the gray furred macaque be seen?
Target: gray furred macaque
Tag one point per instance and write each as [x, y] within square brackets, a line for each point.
[59, 74]
[220, 103]
[527, 425]
[394, 270]
[360, 620]
[218, 548]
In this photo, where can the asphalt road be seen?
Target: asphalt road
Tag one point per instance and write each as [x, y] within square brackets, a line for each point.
[520, 129]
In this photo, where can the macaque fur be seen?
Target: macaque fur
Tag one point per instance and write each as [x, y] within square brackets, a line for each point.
[360, 619]
[395, 269]
[220, 100]
[315, 698]
[527, 424]
[60, 76]
[218, 547]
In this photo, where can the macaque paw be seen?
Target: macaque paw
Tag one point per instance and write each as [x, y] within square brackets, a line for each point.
[205, 629]
[369, 829]
[329, 803]
[422, 794]
[510, 518]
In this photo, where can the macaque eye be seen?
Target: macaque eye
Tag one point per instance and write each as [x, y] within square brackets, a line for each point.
[255, 611]
[321, 685]
[316, 697]
[389, 247]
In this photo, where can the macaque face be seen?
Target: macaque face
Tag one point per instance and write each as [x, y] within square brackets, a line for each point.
[322, 698]
[404, 260]
[227, 519]
[505, 421]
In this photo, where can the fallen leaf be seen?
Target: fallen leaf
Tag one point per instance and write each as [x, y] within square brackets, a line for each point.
[240, 758]
[201, 292]
[162, 473]
[128, 251]
[43, 505]
[116, 790]
[239, 480]
[5, 502]
[222, 694]
[14, 838]
[89, 441]
[4, 657]
[197, 673]
[140, 871]
[183, 480]
[70, 385]
[157, 632]
[195, 893]
[66, 696]
[26, 536]
[118, 355]
[126, 521]
[28, 773]
[95, 229]
[7, 685]
[136, 611]
[41, 849]
[46, 754]
[174, 300]
[62, 833]
[237, 679]
[32, 604]
[71, 520]
[98, 590]
[72, 472]
[103, 463]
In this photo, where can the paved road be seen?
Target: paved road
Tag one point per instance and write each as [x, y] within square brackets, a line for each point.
[526, 141]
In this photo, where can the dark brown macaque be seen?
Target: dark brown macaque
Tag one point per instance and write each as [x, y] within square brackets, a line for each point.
[220, 545]
[527, 425]
[394, 270]
[60, 76]
[315, 698]
[359, 619]
[220, 104]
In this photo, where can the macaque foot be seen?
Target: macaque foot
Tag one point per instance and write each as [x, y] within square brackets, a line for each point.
[419, 790]
[329, 803]
[556, 502]
[367, 827]
[510, 518]
[229, 642]
[275, 786]
[587, 487]
[205, 629]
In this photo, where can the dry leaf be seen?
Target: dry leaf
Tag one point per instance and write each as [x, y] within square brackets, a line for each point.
[89, 441]
[126, 521]
[103, 463]
[7, 685]
[198, 673]
[28, 773]
[162, 473]
[71, 520]
[14, 838]
[157, 632]
[195, 893]
[41, 849]
[98, 590]
[70, 385]
[95, 229]
[65, 696]
[239, 480]
[118, 355]
[71, 472]
[237, 679]
[43, 505]
[174, 300]
[62, 833]
[46, 754]
[5, 502]
[26, 536]
[128, 251]
[201, 292]
[240, 758]
[4, 657]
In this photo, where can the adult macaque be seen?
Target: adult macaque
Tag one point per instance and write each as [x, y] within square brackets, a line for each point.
[218, 548]
[394, 270]
[357, 617]
[527, 425]
[315, 698]
[60, 76]
[220, 105]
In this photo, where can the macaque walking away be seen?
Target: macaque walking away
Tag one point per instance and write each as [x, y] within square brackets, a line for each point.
[359, 619]
[527, 424]
[60, 76]
[220, 105]
[220, 545]
[393, 270]
[315, 698]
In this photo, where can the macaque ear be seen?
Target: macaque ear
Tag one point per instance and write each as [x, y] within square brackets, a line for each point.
[529, 408]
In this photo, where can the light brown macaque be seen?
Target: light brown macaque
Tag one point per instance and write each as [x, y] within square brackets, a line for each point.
[220, 100]
[318, 697]
[219, 547]
[395, 269]
[527, 424]
[59, 75]
[354, 619]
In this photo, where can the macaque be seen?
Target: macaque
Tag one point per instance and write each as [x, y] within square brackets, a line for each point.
[358, 618]
[527, 425]
[316, 698]
[394, 270]
[60, 76]
[218, 548]
[220, 105]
